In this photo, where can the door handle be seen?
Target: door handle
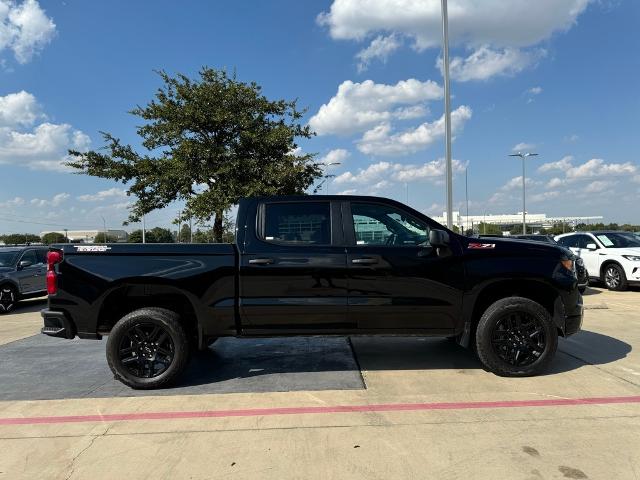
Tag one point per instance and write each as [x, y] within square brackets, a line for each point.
[364, 261]
[261, 261]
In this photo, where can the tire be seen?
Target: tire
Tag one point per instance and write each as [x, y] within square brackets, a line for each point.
[513, 325]
[614, 278]
[8, 298]
[148, 348]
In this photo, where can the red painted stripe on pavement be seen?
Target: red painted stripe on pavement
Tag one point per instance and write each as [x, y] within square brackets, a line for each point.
[264, 412]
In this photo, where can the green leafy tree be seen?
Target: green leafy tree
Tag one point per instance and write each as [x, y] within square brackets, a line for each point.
[203, 236]
[101, 237]
[185, 234]
[210, 141]
[160, 235]
[489, 229]
[53, 237]
[20, 238]
[136, 237]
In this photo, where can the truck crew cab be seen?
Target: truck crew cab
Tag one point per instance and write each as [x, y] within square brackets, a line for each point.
[315, 265]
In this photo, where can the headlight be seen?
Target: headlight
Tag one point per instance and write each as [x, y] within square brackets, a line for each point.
[633, 258]
[568, 264]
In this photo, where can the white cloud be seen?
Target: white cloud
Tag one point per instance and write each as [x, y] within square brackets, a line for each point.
[563, 164]
[14, 202]
[516, 183]
[357, 107]
[556, 182]
[380, 48]
[523, 147]
[24, 28]
[515, 23]
[535, 91]
[43, 147]
[598, 186]
[503, 26]
[541, 197]
[349, 191]
[109, 194]
[399, 172]
[55, 201]
[19, 109]
[338, 155]
[484, 63]
[381, 141]
[596, 167]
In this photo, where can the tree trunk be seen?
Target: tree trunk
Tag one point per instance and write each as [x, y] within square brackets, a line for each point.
[217, 227]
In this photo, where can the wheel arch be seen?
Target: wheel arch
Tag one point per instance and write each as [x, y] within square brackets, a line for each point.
[535, 290]
[126, 298]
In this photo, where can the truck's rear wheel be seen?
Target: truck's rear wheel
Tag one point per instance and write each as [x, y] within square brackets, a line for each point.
[148, 348]
[516, 337]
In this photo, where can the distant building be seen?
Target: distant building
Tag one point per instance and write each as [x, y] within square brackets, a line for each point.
[88, 236]
[534, 220]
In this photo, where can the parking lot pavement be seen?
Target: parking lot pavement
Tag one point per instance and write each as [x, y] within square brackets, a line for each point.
[41, 367]
[23, 322]
[417, 418]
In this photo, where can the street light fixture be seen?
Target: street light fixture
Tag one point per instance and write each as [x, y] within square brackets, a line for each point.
[523, 156]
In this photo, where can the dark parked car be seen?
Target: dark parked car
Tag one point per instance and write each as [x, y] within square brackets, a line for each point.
[535, 237]
[323, 265]
[22, 275]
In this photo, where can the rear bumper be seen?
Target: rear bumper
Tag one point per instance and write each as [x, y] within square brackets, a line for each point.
[56, 324]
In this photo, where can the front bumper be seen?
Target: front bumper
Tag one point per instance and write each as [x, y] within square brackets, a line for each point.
[56, 324]
[569, 312]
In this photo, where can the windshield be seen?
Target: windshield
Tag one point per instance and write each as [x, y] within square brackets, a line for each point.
[619, 240]
[7, 259]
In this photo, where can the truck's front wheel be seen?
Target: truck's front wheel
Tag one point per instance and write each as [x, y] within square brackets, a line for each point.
[516, 337]
[148, 348]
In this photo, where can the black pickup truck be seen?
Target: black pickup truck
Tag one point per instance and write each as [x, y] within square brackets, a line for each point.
[315, 265]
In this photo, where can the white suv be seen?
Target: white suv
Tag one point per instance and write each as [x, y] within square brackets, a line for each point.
[612, 257]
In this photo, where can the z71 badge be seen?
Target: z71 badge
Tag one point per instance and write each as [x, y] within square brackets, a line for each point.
[481, 246]
[92, 248]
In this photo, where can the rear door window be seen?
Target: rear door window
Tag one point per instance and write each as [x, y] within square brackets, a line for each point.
[304, 223]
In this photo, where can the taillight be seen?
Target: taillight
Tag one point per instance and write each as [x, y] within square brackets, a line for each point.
[53, 258]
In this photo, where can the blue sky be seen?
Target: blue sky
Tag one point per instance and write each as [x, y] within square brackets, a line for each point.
[559, 77]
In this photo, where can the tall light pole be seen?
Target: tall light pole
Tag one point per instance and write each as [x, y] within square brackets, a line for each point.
[447, 112]
[104, 226]
[328, 177]
[523, 156]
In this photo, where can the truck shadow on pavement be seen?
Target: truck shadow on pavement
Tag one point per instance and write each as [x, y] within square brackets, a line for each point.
[40, 367]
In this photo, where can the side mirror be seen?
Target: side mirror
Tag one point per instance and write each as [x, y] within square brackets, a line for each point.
[438, 238]
[24, 264]
[592, 246]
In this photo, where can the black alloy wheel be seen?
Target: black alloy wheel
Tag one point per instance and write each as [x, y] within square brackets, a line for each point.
[518, 339]
[146, 350]
[8, 298]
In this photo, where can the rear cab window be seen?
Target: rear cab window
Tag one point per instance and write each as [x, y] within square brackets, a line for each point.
[297, 223]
